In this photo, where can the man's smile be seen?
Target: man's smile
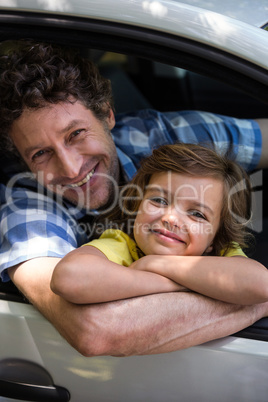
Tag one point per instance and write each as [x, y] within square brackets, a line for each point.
[84, 181]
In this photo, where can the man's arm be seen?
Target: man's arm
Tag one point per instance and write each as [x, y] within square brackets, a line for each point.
[144, 325]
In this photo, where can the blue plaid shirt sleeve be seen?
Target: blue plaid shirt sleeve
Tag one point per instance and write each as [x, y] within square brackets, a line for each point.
[33, 225]
[136, 134]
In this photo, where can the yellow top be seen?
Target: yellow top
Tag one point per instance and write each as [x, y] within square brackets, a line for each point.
[121, 249]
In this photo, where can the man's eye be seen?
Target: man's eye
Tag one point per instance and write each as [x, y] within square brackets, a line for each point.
[75, 133]
[38, 154]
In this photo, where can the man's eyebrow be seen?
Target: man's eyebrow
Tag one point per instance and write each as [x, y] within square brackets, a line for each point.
[71, 125]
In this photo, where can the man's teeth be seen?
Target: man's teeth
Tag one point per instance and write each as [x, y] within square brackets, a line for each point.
[85, 180]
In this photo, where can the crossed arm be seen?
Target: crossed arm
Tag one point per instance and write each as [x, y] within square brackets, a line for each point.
[86, 276]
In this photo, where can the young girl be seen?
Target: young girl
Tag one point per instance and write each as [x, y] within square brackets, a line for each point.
[191, 207]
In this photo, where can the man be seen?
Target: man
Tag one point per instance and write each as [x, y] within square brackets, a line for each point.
[56, 115]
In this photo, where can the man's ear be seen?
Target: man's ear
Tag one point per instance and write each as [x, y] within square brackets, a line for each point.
[111, 119]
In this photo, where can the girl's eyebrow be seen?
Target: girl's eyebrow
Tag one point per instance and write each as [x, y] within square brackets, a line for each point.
[155, 188]
[205, 206]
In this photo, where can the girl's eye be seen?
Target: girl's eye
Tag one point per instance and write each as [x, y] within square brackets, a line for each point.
[198, 214]
[159, 200]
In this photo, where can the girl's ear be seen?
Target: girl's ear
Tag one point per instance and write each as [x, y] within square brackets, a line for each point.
[208, 249]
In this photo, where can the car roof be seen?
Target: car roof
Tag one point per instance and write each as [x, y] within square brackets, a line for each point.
[186, 19]
[253, 12]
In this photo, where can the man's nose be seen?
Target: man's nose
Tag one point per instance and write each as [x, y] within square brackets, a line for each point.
[69, 163]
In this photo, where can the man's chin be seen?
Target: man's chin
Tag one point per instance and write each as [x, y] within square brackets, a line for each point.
[104, 203]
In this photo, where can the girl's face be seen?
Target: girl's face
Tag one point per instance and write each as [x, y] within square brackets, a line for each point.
[179, 214]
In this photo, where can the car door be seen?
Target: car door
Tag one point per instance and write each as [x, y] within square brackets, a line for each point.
[36, 363]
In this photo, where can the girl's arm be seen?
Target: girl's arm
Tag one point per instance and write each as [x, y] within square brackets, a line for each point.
[236, 280]
[85, 275]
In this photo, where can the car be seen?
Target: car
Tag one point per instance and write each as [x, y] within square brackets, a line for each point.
[167, 55]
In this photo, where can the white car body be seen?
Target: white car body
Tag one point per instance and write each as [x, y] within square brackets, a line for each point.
[230, 369]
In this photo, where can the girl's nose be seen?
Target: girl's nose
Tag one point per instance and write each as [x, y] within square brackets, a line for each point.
[173, 219]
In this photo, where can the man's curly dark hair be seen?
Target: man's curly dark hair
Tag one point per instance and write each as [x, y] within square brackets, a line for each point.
[34, 75]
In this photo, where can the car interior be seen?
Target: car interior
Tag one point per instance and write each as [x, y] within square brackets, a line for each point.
[140, 81]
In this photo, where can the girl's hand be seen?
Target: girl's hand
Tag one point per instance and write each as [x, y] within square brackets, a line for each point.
[142, 264]
[146, 263]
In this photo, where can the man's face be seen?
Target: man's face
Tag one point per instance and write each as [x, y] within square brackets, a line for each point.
[70, 150]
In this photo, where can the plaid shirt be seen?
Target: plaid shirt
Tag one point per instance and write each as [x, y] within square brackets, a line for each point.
[34, 225]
